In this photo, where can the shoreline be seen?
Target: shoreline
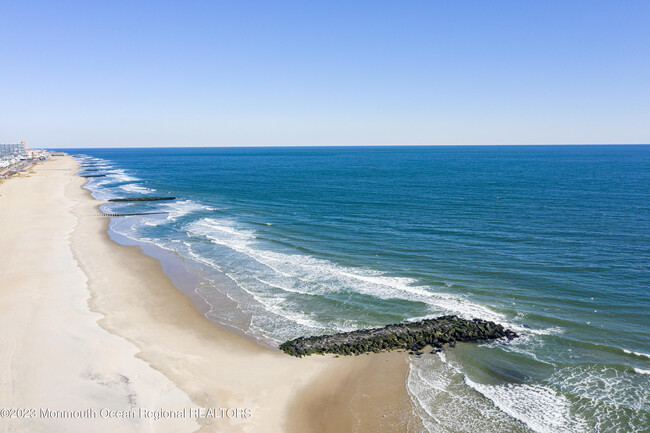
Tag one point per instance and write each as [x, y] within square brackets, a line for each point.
[184, 277]
[207, 366]
[53, 354]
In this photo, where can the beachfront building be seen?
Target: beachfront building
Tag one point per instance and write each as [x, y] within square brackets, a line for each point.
[13, 153]
[12, 150]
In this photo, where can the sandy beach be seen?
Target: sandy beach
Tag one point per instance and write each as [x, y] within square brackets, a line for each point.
[91, 325]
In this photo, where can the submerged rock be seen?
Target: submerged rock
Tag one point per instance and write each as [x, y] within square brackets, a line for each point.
[410, 336]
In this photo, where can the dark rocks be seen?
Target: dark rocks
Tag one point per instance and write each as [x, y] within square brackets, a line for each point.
[410, 336]
[133, 213]
[141, 199]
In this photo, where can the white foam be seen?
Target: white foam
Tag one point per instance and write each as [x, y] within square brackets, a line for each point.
[134, 187]
[273, 304]
[529, 345]
[446, 404]
[300, 268]
[119, 175]
[178, 209]
[540, 408]
[306, 274]
[575, 399]
[101, 169]
[115, 176]
[631, 352]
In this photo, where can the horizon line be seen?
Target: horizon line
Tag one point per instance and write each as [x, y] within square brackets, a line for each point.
[349, 145]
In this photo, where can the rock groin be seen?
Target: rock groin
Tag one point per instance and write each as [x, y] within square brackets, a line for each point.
[410, 336]
[141, 199]
[133, 214]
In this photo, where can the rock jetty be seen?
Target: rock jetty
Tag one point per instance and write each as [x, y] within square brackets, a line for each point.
[141, 199]
[133, 213]
[410, 336]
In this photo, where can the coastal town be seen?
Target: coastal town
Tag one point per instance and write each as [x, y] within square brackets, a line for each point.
[16, 158]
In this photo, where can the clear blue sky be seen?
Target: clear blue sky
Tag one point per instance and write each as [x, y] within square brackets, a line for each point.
[243, 73]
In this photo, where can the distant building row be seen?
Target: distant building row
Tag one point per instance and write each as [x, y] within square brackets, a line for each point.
[14, 153]
[12, 149]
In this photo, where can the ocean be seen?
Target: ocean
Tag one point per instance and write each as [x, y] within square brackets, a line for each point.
[550, 241]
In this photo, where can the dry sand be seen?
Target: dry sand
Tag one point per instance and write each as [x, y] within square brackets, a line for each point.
[87, 323]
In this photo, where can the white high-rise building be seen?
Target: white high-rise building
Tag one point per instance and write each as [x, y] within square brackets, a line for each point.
[9, 150]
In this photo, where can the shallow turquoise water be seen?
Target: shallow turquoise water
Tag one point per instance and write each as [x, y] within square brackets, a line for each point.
[553, 241]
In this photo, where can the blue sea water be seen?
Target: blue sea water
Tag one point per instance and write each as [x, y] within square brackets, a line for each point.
[551, 241]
